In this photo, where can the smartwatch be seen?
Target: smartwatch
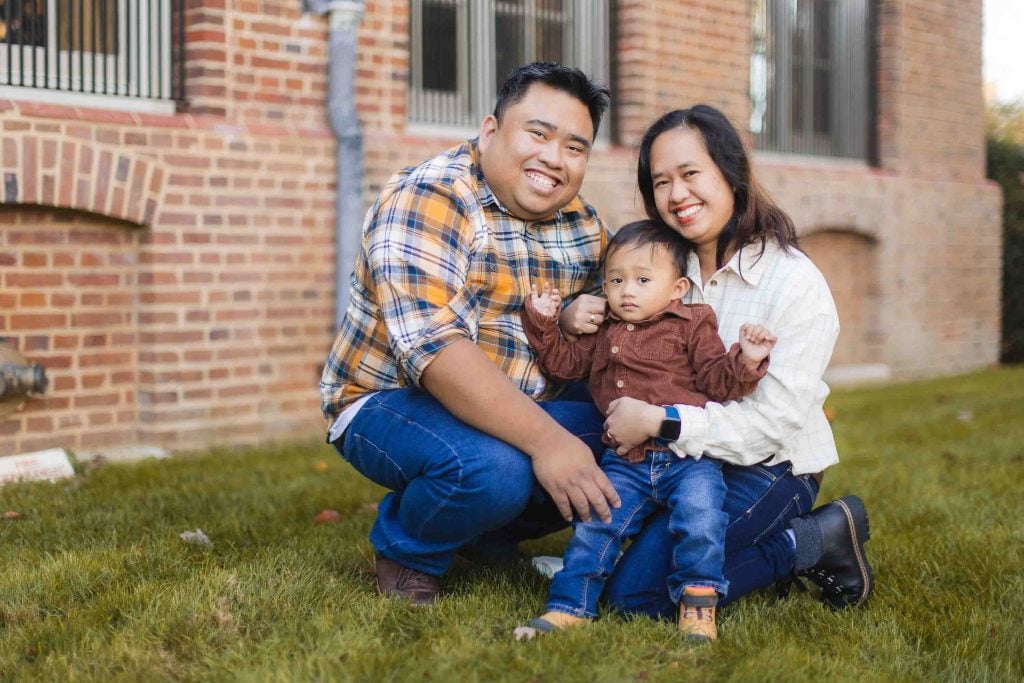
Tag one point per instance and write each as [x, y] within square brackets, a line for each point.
[671, 426]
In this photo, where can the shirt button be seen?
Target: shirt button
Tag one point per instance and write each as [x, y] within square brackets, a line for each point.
[630, 327]
[620, 384]
[615, 349]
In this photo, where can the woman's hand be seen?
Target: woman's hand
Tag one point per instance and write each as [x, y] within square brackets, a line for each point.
[630, 422]
[582, 316]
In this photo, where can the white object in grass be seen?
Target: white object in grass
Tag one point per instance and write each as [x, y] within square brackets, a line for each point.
[547, 566]
[48, 465]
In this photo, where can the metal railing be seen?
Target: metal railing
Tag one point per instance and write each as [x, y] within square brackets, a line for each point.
[810, 79]
[462, 50]
[124, 48]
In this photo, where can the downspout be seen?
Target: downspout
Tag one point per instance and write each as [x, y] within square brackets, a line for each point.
[343, 21]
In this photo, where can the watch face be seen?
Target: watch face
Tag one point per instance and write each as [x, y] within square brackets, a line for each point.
[670, 429]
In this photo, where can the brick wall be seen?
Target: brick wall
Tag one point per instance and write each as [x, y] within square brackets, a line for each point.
[925, 215]
[175, 272]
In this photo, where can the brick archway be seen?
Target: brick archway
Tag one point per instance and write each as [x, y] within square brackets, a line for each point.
[848, 260]
[83, 176]
[69, 284]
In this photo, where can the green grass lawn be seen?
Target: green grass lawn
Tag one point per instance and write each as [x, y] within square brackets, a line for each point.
[96, 584]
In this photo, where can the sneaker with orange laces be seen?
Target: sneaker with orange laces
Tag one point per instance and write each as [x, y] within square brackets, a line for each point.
[697, 614]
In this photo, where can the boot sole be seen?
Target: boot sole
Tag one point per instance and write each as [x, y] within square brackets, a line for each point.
[860, 530]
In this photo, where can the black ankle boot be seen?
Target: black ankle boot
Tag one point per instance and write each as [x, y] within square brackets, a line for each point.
[843, 572]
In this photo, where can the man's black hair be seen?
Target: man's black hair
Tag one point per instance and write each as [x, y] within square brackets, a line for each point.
[567, 79]
[648, 233]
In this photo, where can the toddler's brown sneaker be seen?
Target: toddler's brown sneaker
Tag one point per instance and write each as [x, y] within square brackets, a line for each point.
[697, 614]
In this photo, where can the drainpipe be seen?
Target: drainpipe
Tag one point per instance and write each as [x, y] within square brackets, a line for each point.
[343, 18]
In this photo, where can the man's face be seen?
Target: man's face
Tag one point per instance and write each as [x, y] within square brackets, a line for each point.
[641, 281]
[534, 160]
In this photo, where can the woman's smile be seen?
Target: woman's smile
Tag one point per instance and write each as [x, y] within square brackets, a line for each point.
[691, 194]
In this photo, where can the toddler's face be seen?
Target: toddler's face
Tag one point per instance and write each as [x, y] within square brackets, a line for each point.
[641, 281]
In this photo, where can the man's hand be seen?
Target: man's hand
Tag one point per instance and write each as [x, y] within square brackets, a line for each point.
[473, 389]
[547, 303]
[756, 342]
[583, 316]
[573, 480]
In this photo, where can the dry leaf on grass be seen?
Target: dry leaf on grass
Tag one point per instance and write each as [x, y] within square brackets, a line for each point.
[196, 537]
[320, 466]
[11, 515]
[327, 517]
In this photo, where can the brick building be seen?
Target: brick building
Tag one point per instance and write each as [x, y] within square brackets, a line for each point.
[168, 256]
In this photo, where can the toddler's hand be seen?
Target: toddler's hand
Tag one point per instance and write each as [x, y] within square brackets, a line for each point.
[756, 341]
[548, 302]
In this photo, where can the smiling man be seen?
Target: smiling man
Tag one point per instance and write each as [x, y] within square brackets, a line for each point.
[431, 387]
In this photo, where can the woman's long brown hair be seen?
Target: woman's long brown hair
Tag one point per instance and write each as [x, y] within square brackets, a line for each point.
[755, 217]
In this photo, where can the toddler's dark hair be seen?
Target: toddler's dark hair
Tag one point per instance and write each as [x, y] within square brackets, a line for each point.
[648, 233]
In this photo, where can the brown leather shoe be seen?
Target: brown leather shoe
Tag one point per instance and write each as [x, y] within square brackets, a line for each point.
[397, 581]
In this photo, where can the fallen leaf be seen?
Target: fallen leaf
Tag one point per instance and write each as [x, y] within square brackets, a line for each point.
[965, 415]
[196, 537]
[327, 517]
[12, 515]
[372, 507]
[830, 414]
[320, 466]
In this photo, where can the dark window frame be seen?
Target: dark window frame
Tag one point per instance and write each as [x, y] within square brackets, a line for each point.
[811, 77]
[585, 28]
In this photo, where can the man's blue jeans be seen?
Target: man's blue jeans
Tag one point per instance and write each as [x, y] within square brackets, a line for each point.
[691, 490]
[449, 482]
[760, 501]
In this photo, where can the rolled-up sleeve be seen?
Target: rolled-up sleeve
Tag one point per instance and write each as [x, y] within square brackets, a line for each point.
[419, 254]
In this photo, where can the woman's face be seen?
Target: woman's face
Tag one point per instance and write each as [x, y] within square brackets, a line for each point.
[691, 193]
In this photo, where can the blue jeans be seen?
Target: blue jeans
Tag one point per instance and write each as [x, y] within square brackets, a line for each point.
[760, 501]
[691, 490]
[450, 483]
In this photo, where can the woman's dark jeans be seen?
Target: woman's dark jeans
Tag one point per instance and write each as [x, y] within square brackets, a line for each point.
[760, 501]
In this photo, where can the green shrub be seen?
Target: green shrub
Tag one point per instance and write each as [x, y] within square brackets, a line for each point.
[1006, 167]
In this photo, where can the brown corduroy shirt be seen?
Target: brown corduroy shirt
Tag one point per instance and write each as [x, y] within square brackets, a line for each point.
[675, 356]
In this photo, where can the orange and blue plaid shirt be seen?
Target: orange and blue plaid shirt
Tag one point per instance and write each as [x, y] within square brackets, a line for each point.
[441, 260]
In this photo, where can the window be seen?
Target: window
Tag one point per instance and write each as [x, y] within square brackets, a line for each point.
[102, 47]
[462, 50]
[809, 77]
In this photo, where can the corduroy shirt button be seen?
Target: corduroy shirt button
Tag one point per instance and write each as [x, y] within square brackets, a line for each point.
[620, 384]
[631, 327]
[615, 349]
